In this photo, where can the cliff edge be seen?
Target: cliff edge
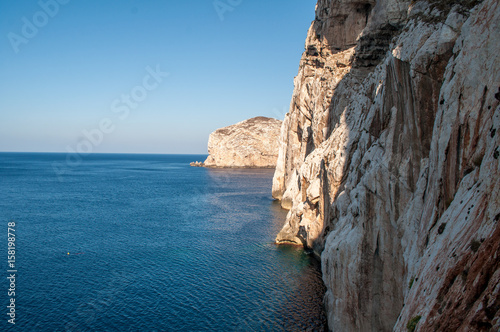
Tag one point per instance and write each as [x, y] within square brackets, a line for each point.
[389, 163]
[250, 143]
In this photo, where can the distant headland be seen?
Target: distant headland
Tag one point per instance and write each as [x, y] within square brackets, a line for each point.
[253, 143]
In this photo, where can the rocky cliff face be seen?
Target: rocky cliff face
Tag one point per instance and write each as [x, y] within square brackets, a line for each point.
[250, 143]
[389, 163]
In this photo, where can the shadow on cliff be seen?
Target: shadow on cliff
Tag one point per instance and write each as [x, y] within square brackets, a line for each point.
[375, 135]
[354, 24]
[373, 161]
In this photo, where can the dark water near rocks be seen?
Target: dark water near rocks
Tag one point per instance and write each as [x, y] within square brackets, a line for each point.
[155, 245]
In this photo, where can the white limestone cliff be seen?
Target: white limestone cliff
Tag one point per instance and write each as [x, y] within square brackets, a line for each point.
[389, 163]
[249, 143]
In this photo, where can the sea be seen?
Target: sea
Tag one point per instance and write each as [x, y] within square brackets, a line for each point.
[135, 242]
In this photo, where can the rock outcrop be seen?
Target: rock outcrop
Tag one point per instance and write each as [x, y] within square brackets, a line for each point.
[389, 163]
[250, 143]
[197, 164]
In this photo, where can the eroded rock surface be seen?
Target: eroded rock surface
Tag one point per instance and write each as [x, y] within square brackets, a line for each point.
[389, 163]
[250, 143]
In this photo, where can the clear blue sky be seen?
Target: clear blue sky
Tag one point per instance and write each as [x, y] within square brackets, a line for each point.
[73, 69]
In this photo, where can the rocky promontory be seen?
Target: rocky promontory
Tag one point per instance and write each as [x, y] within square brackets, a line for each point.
[250, 143]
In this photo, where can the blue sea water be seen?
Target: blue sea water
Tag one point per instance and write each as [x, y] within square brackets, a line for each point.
[154, 245]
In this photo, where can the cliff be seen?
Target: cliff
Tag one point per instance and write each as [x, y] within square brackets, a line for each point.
[250, 143]
[389, 163]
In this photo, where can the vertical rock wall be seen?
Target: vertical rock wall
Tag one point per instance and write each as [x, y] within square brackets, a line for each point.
[389, 163]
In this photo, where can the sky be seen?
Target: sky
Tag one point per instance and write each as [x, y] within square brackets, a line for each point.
[131, 76]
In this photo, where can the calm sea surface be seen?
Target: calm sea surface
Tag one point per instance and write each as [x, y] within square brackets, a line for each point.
[154, 245]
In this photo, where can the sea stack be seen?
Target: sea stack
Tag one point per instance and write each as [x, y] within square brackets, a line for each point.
[250, 143]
